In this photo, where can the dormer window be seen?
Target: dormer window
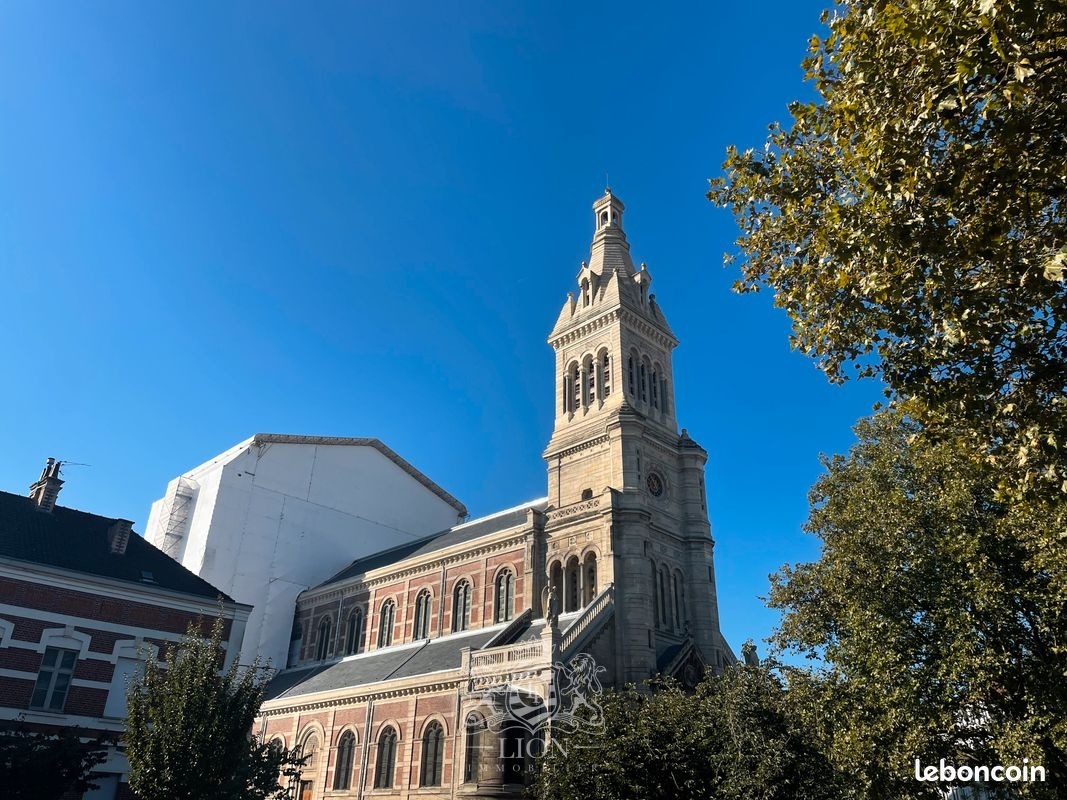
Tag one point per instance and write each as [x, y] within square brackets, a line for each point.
[585, 292]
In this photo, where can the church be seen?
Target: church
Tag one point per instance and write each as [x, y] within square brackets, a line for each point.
[438, 666]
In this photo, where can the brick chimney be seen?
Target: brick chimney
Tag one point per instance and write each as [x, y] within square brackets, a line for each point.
[45, 491]
[118, 535]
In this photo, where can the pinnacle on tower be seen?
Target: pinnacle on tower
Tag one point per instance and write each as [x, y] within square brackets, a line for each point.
[610, 251]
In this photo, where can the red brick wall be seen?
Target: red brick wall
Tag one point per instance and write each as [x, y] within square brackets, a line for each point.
[94, 607]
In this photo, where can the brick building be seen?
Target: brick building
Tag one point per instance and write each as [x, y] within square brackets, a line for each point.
[431, 668]
[83, 600]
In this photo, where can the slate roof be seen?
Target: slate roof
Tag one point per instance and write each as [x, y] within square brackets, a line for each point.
[402, 661]
[78, 541]
[468, 531]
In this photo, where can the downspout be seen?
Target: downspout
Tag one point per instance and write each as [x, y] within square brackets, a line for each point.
[366, 751]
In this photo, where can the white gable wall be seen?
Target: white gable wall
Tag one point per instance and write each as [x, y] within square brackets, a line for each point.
[277, 518]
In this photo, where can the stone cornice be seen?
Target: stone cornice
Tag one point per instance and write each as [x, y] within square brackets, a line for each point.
[584, 329]
[347, 697]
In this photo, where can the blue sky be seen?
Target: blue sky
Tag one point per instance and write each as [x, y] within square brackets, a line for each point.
[362, 219]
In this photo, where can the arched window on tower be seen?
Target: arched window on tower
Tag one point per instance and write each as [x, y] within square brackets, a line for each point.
[573, 585]
[657, 602]
[589, 587]
[576, 388]
[677, 601]
[585, 292]
[322, 648]
[631, 382]
[681, 602]
[354, 632]
[385, 768]
[665, 594]
[605, 375]
[589, 378]
[423, 605]
[555, 580]
[385, 623]
[505, 596]
[461, 607]
[655, 389]
[433, 755]
[644, 383]
[346, 750]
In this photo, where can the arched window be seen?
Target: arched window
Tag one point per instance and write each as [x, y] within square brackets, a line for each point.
[423, 604]
[684, 618]
[310, 752]
[589, 590]
[555, 578]
[433, 755]
[589, 378]
[354, 632]
[346, 749]
[605, 375]
[655, 389]
[677, 601]
[475, 733]
[385, 623]
[664, 596]
[461, 606]
[322, 648]
[585, 292]
[644, 384]
[505, 596]
[656, 594]
[385, 766]
[576, 388]
[573, 579]
[631, 382]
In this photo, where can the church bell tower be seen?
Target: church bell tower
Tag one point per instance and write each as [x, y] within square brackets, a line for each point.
[627, 505]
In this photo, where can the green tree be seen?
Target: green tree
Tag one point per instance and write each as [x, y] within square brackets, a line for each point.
[39, 766]
[911, 220]
[189, 728]
[735, 738]
[942, 632]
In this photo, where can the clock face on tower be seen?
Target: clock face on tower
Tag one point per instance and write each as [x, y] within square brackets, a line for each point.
[655, 484]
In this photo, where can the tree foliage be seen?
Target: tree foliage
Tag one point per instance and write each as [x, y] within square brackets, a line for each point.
[941, 618]
[733, 739]
[189, 729]
[911, 220]
[46, 766]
